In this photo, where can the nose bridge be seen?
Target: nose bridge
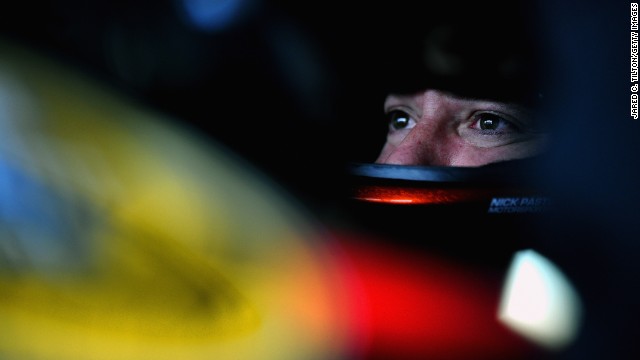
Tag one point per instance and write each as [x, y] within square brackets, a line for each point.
[434, 105]
[419, 147]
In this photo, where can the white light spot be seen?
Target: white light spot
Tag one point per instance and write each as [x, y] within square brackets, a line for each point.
[539, 302]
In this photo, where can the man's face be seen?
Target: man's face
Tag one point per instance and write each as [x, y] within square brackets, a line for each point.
[437, 128]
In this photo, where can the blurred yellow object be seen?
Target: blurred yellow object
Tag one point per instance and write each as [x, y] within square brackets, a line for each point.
[127, 236]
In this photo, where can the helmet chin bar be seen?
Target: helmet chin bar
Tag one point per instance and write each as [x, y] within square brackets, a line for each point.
[479, 215]
[499, 185]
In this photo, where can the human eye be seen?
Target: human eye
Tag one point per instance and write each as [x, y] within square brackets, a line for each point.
[494, 124]
[399, 120]
[495, 128]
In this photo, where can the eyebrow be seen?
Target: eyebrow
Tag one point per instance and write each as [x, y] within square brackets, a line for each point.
[401, 99]
[407, 99]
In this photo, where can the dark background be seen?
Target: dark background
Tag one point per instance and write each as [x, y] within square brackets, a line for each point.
[283, 84]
